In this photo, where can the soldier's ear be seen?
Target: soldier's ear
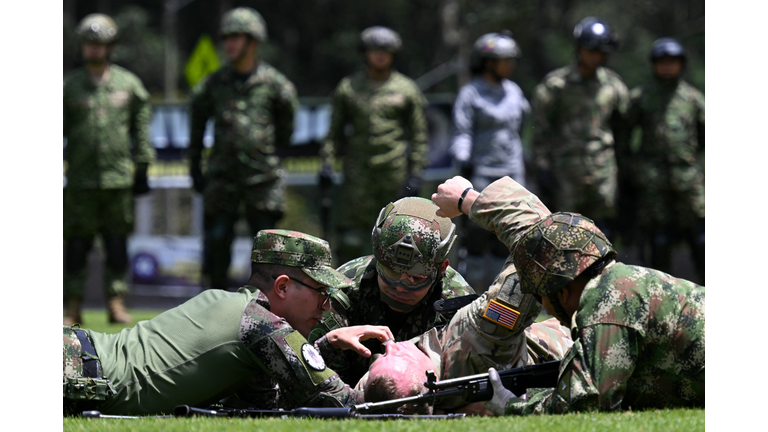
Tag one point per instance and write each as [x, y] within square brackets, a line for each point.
[280, 286]
[445, 267]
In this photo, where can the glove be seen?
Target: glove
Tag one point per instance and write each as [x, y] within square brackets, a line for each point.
[501, 395]
[198, 181]
[140, 184]
[325, 178]
[412, 186]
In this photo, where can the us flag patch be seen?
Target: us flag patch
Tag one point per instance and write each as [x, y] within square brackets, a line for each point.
[501, 314]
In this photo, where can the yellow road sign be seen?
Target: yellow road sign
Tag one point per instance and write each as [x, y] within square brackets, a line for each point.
[203, 61]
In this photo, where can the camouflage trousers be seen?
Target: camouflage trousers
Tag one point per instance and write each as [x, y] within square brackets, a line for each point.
[262, 206]
[91, 212]
[81, 392]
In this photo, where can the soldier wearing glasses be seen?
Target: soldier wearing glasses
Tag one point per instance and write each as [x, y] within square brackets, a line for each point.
[219, 343]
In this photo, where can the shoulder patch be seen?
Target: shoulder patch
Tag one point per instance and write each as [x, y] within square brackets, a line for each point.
[312, 357]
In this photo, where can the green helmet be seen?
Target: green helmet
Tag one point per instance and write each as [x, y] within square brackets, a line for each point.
[296, 249]
[409, 238]
[556, 250]
[380, 38]
[244, 20]
[97, 28]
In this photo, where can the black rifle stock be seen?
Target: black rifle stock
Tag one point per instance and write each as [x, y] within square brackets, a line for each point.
[474, 388]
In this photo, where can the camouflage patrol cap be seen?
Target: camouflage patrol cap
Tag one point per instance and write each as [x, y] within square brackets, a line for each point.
[409, 238]
[556, 250]
[296, 249]
[380, 38]
[244, 20]
[98, 28]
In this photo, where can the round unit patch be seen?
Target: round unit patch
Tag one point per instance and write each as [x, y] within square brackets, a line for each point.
[312, 357]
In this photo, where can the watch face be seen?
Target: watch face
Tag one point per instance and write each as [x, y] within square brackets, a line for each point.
[312, 357]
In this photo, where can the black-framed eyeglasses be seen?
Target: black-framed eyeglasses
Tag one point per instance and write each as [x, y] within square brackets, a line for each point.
[322, 290]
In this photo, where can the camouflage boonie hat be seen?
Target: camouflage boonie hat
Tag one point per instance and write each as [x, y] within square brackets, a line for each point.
[382, 38]
[98, 28]
[409, 238]
[244, 20]
[296, 249]
[556, 250]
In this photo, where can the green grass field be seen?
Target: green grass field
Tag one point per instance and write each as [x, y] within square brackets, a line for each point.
[663, 420]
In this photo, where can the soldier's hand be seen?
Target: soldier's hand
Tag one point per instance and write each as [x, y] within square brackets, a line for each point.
[501, 395]
[350, 337]
[140, 182]
[325, 177]
[448, 194]
[198, 181]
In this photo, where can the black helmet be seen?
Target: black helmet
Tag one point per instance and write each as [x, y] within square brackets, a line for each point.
[594, 34]
[667, 47]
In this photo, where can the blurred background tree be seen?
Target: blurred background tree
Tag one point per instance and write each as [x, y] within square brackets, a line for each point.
[315, 42]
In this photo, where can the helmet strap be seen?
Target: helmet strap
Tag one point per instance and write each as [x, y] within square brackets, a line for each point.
[559, 310]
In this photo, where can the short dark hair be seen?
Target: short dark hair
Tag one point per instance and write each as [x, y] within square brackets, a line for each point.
[384, 388]
[261, 273]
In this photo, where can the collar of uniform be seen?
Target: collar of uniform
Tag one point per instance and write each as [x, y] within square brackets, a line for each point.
[256, 76]
[574, 75]
[362, 76]
[108, 84]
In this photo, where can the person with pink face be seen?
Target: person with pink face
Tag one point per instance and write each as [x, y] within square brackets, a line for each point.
[401, 370]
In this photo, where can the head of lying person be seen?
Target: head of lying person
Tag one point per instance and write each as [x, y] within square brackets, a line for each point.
[399, 372]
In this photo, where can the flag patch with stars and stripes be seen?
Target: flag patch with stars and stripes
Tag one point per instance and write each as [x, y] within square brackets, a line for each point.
[501, 314]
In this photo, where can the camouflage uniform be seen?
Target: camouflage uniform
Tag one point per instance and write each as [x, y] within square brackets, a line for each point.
[361, 304]
[253, 117]
[638, 333]
[575, 119]
[106, 127]
[668, 168]
[388, 144]
[211, 345]
[458, 350]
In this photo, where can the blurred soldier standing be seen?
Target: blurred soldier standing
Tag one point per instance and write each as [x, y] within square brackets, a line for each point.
[387, 150]
[252, 106]
[106, 120]
[577, 112]
[488, 116]
[667, 169]
[398, 285]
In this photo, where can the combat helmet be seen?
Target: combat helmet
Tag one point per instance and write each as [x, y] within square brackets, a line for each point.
[593, 34]
[667, 47]
[244, 20]
[409, 238]
[557, 249]
[380, 38]
[493, 46]
[97, 28]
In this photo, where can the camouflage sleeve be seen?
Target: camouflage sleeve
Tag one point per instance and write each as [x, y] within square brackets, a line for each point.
[291, 361]
[141, 113]
[417, 124]
[593, 375]
[335, 138]
[541, 107]
[284, 109]
[700, 119]
[200, 110]
[507, 209]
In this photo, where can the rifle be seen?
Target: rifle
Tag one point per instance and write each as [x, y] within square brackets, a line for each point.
[317, 413]
[474, 388]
